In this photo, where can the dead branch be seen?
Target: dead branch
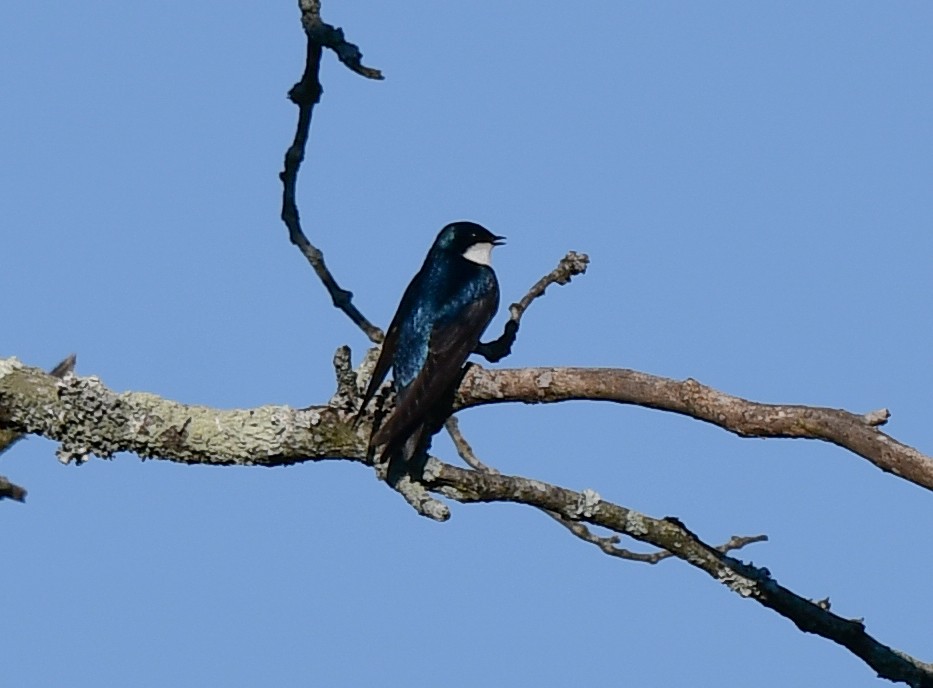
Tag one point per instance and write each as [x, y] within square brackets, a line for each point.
[306, 94]
[10, 490]
[856, 432]
[608, 544]
[86, 418]
[670, 534]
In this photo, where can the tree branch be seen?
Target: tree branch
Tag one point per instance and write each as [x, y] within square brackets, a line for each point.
[88, 418]
[10, 490]
[607, 544]
[857, 433]
[9, 437]
[570, 265]
[670, 534]
[306, 94]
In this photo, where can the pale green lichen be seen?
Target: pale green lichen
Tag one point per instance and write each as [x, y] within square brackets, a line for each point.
[736, 582]
[635, 524]
[8, 365]
[587, 503]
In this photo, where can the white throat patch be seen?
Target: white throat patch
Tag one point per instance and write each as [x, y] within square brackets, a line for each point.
[481, 254]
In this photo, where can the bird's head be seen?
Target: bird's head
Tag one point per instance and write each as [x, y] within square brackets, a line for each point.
[470, 240]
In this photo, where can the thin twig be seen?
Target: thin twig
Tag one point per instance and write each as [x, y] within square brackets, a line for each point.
[10, 490]
[570, 266]
[306, 94]
[332, 37]
[606, 543]
[463, 447]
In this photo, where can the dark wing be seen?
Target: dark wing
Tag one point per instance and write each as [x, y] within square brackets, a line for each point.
[448, 349]
[384, 362]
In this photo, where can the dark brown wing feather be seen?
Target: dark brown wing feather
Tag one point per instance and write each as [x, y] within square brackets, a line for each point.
[383, 363]
[447, 352]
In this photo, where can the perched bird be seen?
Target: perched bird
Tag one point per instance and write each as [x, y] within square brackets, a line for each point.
[439, 321]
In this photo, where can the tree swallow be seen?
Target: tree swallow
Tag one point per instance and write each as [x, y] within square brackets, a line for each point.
[439, 321]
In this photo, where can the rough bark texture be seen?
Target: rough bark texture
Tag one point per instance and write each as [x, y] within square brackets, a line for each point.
[10, 490]
[857, 433]
[87, 418]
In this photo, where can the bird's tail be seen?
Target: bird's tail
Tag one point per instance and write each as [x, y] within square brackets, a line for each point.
[407, 457]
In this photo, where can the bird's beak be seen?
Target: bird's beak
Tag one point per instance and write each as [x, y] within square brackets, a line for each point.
[498, 240]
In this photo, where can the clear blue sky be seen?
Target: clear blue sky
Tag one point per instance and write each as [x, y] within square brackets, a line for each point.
[753, 184]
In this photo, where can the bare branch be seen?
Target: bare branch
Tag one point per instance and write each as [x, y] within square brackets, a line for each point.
[420, 500]
[607, 544]
[87, 418]
[8, 437]
[464, 450]
[670, 534]
[10, 490]
[325, 35]
[533, 385]
[857, 433]
[570, 266]
[306, 94]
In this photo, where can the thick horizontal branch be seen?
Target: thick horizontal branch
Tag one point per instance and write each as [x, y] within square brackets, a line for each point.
[9, 437]
[25, 387]
[88, 418]
[857, 433]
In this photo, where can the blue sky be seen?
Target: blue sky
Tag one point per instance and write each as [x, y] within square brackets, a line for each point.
[753, 185]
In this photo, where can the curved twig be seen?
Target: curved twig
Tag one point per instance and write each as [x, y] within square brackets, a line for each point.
[570, 266]
[306, 94]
